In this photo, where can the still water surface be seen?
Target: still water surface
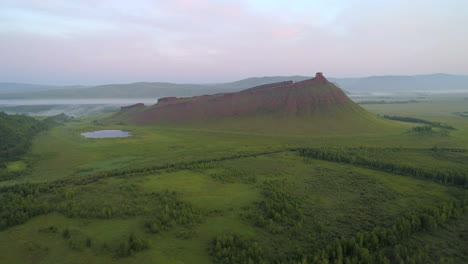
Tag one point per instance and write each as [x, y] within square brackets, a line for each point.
[107, 134]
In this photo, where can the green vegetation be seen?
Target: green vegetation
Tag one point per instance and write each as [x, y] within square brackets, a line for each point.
[236, 249]
[132, 245]
[382, 245]
[417, 120]
[278, 212]
[363, 157]
[233, 175]
[182, 195]
[388, 102]
[16, 132]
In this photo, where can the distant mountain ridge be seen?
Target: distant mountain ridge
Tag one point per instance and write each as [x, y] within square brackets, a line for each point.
[374, 84]
[402, 83]
[11, 87]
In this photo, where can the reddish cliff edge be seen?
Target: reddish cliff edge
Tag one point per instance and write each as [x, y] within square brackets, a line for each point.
[284, 98]
[132, 106]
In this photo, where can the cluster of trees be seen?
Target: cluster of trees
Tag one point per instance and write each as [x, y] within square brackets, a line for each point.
[384, 245]
[236, 249]
[163, 210]
[57, 119]
[171, 212]
[21, 202]
[16, 133]
[75, 239]
[419, 121]
[114, 202]
[412, 254]
[128, 247]
[131, 246]
[278, 210]
[443, 176]
[422, 129]
[6, 175]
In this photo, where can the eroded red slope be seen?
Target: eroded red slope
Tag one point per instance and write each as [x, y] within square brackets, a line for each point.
[299, 99]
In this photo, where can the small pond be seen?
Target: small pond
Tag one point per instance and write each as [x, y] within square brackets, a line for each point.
[107, 134]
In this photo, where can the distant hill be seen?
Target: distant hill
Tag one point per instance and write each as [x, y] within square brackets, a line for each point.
[8, 87]
[131, 90]
[417, 83]
[148, 89]
[310, 106]
[256, 81]
[435, 83]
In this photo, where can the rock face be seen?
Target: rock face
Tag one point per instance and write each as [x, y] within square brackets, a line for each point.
[131, 106]
[283, 99]
[166, 100]
[269, 86]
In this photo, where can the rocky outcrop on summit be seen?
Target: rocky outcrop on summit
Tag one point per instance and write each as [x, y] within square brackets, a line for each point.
[284, 99]
[164, 100]
[132, 106]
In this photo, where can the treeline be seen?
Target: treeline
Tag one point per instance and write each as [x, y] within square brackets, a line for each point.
[171, 212]
[183, 165]
[417, 120]
[382, 245]
[162, 210]
[16, 133]
[20, 203]
[447, 177]
[422, 129]
[399, 149]
[389, 102]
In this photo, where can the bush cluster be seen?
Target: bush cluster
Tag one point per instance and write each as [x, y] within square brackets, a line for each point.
[278, 211]
[236, 249]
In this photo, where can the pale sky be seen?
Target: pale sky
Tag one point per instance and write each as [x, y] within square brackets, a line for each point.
[198, 41]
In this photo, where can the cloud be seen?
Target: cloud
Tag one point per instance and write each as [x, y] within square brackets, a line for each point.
[92, 41]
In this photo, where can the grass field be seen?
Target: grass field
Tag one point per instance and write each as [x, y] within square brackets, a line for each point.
[255, 186]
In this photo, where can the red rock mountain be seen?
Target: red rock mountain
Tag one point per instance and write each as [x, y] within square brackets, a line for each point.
[272, 105]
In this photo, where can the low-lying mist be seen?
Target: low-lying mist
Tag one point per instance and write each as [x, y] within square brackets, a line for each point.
[70, 107]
